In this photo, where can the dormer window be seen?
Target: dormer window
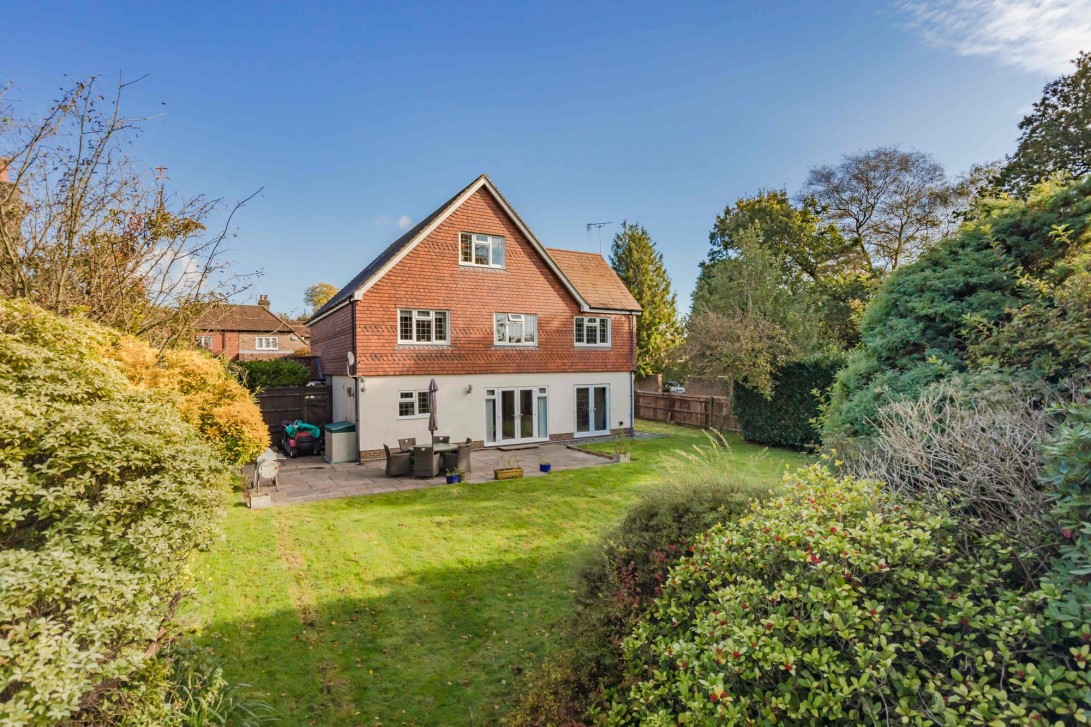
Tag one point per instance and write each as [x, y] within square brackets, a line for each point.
[486, 251]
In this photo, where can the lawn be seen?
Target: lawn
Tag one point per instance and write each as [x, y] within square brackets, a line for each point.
[419, 607]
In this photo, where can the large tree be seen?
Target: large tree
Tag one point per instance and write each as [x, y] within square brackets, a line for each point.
[801, 241]
[86, 230]
[891, 204]
[1056, 136]
[639, 264]
[748, 316]
[317, 295]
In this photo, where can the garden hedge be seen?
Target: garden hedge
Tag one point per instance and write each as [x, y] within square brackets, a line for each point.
[786, 418]
[836, 603]
[106, 491]
[258, 375]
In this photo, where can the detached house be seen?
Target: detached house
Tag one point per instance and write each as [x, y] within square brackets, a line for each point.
[249, 332]
[526, 343]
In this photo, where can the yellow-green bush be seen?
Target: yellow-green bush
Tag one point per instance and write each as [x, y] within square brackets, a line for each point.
[205, 392]
[105, 493]
[838, 604]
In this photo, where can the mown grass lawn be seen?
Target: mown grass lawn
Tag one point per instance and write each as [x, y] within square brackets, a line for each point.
[419, 607]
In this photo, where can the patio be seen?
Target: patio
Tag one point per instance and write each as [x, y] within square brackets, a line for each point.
[308, 479]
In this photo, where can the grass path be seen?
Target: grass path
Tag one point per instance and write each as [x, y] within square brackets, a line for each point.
[418, 607]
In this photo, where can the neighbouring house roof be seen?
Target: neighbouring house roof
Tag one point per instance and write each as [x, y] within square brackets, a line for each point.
[596, 281]
[250, 318]
[400, 247]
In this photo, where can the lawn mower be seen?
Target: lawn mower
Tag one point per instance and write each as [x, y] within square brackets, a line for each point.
[300, 438]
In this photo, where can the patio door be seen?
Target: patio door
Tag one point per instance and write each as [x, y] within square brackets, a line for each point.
[516, 414]
[592, 410]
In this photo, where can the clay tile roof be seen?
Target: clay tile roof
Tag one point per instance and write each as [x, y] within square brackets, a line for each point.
[256, 318]
[595, 280]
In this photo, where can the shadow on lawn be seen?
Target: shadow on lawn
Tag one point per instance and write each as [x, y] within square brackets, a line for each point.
[442, 647]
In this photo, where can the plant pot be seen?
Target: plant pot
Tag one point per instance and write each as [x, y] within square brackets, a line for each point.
[453, 479]
[622, 458]
[258, 500]
[545, 468]
[508, 473]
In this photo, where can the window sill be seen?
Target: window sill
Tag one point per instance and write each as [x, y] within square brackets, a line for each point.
[472, 266]
[516, 346]
[405, 344]
[594, 345]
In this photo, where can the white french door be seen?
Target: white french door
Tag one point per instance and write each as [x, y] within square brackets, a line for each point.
[592, 410]
[516, 414]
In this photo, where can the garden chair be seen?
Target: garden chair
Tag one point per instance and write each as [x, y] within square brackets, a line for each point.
[459, 459]
[445, 439]
[398, 463]
[425, 462]
[405, 445]
[267, 470]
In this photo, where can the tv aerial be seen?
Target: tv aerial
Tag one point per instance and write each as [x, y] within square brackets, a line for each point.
[598, 226]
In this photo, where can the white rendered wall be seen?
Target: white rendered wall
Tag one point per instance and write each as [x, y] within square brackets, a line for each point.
[461, 414]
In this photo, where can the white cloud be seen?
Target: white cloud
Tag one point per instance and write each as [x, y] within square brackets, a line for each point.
[402, 222]
[1041, 36]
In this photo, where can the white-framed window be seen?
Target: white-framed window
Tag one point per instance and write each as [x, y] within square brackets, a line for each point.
[267, 343]
[412, 404]
[592, 331]
[485, 251]
[204, 341]
[515, 329]
[423, 326]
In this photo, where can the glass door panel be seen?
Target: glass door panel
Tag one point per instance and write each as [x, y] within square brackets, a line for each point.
[508, 414]
[526, 413]
[583, 409]
[601, 412]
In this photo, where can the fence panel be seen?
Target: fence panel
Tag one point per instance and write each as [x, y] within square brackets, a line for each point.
[312, 404]
[712, 412]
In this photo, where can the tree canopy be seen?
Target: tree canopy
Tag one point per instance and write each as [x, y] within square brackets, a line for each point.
[639, 264]
[318, 295]
[1056, 136]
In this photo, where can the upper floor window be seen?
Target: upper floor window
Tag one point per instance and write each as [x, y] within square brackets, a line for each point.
[515, 329]
[483, 250]
[204, 341]
[267, 343]
[592, 331]
[423, 326]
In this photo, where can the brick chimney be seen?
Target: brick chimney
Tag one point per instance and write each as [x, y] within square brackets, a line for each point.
[263, 301]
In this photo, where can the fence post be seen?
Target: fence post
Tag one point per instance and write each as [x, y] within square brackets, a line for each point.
[710, 411]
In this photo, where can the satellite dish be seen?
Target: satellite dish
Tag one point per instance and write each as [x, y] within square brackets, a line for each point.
[352, 358]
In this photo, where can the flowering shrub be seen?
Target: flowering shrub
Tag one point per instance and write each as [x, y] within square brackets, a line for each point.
[205, 393]
[105, 493]
[837, 603]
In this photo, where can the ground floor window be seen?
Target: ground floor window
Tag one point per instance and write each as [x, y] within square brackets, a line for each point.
[204, 341]
[412, 404]
[516, 414]
[593, 409]
[267, 343]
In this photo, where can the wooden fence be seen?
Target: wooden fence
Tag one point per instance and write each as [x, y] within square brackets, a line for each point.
[710, 412]
[312, 404]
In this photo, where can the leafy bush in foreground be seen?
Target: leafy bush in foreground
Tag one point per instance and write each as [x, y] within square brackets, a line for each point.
[835, 603]
[623, 576]
[786, 417]
[258, 375]
[105, 493]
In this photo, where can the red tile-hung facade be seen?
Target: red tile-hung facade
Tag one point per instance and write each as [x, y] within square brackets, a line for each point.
[431, 277]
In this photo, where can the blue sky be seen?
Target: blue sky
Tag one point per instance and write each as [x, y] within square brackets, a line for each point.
[360, 117]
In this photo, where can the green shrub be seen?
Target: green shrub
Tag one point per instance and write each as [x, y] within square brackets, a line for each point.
[836, 603]
[930, 319]
[105, 493]
[1068, 472]
[787, 418]
[259, 375]
[623, 575]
